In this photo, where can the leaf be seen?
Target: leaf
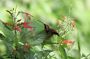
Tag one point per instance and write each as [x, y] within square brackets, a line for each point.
[5, 25]
[70, 57]
[2, 34]
[63, 52]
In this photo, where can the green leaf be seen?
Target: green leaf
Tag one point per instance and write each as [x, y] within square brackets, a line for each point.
[62, 52]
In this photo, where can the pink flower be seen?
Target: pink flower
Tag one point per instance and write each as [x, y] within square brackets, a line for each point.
[17, 28]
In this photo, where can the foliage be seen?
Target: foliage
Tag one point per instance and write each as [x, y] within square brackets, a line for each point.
[22, 38]
[53, 29]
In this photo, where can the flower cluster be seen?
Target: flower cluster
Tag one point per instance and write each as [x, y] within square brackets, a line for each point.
[17, 24]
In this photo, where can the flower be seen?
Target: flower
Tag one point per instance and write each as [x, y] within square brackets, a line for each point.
[64, 17]
[58, 22]
[27, 15]
[67, 42]
[17, 28]
[26, 47]
[17, 24]
[73, 23]
[26, 25]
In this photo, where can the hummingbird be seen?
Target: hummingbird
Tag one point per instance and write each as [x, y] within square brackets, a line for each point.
[50, 31]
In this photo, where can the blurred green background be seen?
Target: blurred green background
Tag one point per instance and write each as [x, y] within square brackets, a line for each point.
[50, 10]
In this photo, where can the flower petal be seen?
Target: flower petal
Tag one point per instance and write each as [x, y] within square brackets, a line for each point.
[26, 25]
[67, 42]
[17, 28]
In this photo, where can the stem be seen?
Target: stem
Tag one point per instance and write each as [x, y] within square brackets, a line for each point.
[15, 24]
[79, 48]
[16, 41]
[52, 43]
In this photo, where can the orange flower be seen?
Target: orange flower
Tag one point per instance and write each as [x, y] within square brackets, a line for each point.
[67, 42]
